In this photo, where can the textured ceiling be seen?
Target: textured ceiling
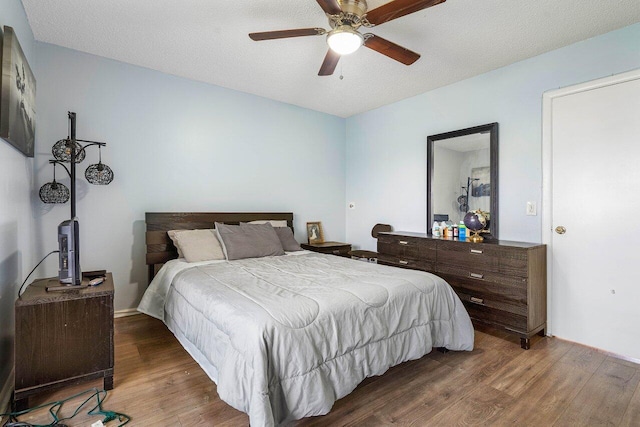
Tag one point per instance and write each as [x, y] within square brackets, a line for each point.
[206, 40]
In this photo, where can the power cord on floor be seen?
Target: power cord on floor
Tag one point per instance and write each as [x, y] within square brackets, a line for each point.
[54, 411]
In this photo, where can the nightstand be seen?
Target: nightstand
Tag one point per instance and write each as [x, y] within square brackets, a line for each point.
[62, 338]
[331, 248]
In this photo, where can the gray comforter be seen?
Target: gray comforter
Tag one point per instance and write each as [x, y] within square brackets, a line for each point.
[285, 337]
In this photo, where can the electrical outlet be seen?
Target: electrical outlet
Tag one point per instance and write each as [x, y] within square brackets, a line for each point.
[531, 208]
[352, 205]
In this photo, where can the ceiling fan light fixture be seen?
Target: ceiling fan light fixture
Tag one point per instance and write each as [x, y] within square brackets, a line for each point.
[344, 40]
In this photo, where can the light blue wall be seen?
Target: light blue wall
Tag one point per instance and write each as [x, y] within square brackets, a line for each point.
[16, 220]
[178, 145]
[386, 147]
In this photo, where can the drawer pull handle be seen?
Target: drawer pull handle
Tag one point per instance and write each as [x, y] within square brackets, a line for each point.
[476, 300]
[336, 251]
[476, 251]
[403, 262]
[403, 242]
[476, 275]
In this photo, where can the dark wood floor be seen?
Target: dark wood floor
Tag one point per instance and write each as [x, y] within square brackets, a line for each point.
[556, 383]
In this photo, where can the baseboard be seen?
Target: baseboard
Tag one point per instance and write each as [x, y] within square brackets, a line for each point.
[5, 395]
[126, 312]
[599, 350]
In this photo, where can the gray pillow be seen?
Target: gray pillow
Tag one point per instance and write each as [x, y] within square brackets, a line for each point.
[285, 234]
[289, 243]
[249, 241]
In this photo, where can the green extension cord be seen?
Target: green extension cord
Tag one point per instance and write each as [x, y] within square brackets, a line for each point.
[54, 410]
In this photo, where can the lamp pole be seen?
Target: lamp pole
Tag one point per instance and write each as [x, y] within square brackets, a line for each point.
[72, 118]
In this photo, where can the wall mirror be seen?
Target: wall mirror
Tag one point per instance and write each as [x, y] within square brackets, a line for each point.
[462, 175]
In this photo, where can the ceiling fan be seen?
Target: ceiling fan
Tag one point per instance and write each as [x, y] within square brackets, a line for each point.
[345, 18]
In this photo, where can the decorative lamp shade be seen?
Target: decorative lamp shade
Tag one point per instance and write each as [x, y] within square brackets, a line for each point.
[54, 192]
[99, 174]
[62, 151]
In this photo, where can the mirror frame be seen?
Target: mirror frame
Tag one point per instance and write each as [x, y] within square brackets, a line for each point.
[492, 128]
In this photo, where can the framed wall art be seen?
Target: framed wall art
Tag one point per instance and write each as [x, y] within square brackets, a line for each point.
[481, 186]
[17, 96]
[314, 232]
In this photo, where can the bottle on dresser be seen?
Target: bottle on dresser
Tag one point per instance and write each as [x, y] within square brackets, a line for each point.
[435, 229]
[462, 231]
[443, 229]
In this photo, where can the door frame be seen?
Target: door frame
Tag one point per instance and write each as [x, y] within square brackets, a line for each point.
[547, 163]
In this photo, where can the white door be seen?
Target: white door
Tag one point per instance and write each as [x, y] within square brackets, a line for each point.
[592, 196]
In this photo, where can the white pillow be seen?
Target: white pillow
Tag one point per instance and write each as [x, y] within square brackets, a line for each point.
[273, 222]
[199, 245]
[172, 236]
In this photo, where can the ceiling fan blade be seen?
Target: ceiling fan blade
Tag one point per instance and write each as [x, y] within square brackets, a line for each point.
[283, 34]
[329, 64]
[397, 8]
[330, 6]
[392, 50]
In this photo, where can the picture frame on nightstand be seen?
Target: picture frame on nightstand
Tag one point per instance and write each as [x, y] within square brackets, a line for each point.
[314, 232]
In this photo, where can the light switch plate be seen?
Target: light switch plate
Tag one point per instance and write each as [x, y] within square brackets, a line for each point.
[531, 208]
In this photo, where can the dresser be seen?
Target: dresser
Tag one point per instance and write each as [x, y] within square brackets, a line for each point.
[501, 283]
[62, 338]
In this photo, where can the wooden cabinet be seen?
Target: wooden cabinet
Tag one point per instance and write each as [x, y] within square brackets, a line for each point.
[501, 283]
[62, 338]
[332, 248]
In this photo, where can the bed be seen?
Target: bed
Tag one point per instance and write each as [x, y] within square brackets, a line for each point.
[284, 337]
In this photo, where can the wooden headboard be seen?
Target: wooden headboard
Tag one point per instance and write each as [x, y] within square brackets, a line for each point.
[160, 248]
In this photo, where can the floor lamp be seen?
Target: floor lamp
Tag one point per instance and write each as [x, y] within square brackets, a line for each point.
[69, 150]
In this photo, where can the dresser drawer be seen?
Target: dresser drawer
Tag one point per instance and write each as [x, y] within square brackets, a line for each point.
[405, 262]
[514, 295]
[330, 248]
[480, 274]
[398, 246]
[480, 312]
[510, 261]
[344, 251]
[493, 301]
[407, 247]
[514, 261]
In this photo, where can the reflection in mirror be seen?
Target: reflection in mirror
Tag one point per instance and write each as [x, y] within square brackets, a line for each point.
[463, 175]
